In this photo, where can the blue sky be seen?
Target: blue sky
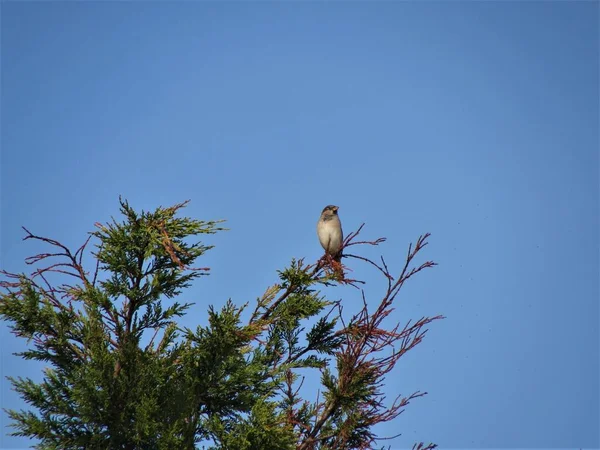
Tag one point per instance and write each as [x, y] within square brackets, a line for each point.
[475, 121]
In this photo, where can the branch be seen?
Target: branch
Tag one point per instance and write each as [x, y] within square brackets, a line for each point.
[365, 340]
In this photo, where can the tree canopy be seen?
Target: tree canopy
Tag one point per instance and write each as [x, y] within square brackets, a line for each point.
[121, 373]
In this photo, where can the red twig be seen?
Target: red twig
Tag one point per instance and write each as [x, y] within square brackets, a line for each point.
[366, 347]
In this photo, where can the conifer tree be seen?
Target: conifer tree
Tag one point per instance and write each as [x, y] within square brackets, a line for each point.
[122, 374]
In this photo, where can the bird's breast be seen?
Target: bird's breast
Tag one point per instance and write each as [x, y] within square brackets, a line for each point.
[330, 235]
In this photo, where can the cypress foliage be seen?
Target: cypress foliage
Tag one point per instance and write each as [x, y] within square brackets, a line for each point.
[122, 374]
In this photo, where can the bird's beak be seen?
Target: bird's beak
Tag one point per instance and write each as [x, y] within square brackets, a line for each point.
[336, 208]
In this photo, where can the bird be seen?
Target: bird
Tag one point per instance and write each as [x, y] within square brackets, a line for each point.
[329, 231]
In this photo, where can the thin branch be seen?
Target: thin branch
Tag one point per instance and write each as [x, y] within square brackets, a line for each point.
[365, 338]
[362, 258]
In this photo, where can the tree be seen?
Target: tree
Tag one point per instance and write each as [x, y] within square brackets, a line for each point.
[123, 375]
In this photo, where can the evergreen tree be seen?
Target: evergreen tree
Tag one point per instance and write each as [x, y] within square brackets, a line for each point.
[123, 375]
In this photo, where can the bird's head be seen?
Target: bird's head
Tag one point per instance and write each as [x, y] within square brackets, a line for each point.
[330, 210]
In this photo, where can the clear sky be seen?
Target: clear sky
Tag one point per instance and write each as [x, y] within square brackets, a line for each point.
[475, 121]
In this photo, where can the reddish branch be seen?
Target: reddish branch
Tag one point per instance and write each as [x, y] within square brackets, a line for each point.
[368, 346]
[71, 265]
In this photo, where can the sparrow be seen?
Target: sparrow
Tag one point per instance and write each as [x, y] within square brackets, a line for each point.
[329, 231]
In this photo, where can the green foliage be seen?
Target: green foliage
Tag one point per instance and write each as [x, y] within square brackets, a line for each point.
[264, 428]
[121, 374]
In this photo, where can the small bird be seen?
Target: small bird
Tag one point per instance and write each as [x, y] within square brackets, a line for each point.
[329, 230]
